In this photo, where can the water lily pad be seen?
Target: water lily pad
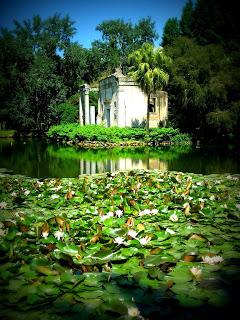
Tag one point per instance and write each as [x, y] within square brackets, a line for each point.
[156, 260]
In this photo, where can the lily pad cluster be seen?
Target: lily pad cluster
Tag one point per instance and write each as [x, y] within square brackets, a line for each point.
[126, 245]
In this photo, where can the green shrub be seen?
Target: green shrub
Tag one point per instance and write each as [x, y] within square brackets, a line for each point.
[100, 133]
[66, 113]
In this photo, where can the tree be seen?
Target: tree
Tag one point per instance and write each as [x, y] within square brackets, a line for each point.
[171, 32]
[149, 68]
[186, 19]
[144, 31]
[15, 60]
[217, 22]
[45, 89]
[66, 113]
[75, 67]
[203, 80]
[119, 38]
[51, 35]
[31, 74]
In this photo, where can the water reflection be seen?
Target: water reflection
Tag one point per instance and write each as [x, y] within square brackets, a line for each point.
[108, 165]
[39, 159]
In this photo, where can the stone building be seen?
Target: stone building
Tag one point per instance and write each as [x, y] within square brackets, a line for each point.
[122, 103]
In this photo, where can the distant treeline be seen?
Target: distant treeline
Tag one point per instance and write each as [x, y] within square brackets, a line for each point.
[41, 68]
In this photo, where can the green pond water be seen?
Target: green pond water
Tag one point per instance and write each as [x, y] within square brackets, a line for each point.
[35, 158]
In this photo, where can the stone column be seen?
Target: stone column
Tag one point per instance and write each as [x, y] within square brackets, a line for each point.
[92, 115]
[86, 104]
[80, 109]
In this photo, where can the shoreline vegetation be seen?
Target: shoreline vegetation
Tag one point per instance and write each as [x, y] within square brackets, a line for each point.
[7, 133]
[98, 136]
[142, 244]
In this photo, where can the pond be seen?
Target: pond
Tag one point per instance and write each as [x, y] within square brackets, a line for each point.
[39, 159]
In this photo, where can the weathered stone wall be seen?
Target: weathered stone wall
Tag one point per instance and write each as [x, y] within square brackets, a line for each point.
[122, 103]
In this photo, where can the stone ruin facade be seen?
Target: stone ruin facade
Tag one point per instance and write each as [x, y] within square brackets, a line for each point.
[122, 103]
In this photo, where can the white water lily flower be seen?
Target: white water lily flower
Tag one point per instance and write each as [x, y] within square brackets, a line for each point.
[170, 231]
[154, 211]
[132, 233]
[196, 272]
[144, 212]
[59, 234]
[173, 217]
[54, 196]
[13, 194]
[45, 234]
[3, 232]
[144, 240]
[212, 198]
[27, 192]
[110, 214]
[147, 211]
[39, 183]
[119, 240]
[212, 260]
[133, 312]
[40, 196]
[103, 218]
[56, 188]
[3, 205]
[119, 213]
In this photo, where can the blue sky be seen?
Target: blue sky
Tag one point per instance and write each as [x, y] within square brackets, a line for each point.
[87, 14]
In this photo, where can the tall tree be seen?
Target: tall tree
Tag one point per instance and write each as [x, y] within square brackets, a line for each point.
[217, 22]
[119, 38]
[50, 35]
[45, 89]
[31, 71]
[149, 68]
[145, 31]
[171, 31]
[75, 67]
[203, 80]
[15, 60]
[186, 19]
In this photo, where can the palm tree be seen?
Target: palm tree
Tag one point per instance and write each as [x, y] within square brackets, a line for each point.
[149, 68]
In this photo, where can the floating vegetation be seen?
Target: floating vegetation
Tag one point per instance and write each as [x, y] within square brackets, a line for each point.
[126, 245]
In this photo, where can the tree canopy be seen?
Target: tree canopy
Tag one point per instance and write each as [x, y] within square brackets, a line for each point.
[203, 88]
[42, 68]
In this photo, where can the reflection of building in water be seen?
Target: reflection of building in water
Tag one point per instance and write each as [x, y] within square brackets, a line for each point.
[126, 164]
[108, 165]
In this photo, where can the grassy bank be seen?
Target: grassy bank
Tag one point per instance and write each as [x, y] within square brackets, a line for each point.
[130, 245]
[7, 133]
[113, 136]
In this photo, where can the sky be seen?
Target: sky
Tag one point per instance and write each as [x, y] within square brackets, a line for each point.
[87, 14]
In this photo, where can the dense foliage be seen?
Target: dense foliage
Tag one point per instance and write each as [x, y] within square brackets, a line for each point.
[40, 68]
[149, 67]
[204, 93]
[137, 245]
[77, 133]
